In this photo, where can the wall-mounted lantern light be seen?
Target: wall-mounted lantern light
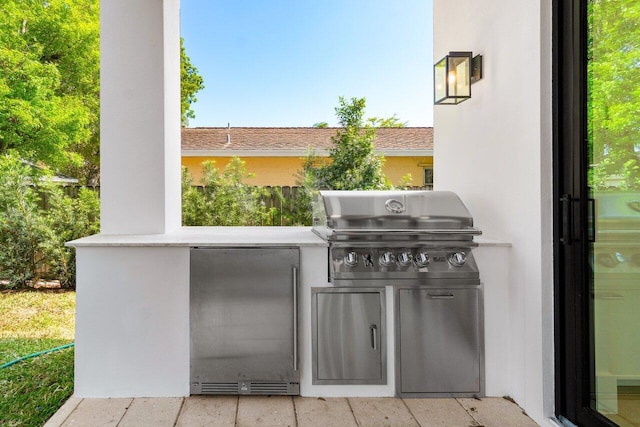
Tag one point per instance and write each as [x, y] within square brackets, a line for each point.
[453, 76]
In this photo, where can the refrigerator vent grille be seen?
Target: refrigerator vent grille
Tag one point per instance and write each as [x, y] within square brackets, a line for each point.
[269, 388]
[219, 388]
[246, 388]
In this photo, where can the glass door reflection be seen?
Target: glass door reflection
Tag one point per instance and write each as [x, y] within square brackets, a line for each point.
[614, 181]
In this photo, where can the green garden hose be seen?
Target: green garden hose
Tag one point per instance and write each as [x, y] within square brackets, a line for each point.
[39, 353]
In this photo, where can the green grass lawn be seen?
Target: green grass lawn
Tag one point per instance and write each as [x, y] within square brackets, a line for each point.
[31, 391]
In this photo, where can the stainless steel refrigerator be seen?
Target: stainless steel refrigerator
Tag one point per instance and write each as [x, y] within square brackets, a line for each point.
[243, 321]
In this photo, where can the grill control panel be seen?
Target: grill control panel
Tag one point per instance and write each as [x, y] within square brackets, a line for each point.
[401, 263]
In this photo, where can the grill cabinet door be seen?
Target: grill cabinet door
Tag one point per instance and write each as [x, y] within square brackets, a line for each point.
[348, 341]
[439, 340]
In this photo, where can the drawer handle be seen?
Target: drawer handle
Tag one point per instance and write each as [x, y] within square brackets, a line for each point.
[374, 337]
[441, 296]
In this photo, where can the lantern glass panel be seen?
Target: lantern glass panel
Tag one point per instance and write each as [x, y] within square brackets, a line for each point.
[440, 80]
[459, 76]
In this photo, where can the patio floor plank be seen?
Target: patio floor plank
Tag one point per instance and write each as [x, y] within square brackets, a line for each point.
[496, 412]
[379, 412]
[63, 413]
[98, 413]
[271, 411]
[322, 412]
[152, 412]
[208, 411]
[439, 413]
[240, 411]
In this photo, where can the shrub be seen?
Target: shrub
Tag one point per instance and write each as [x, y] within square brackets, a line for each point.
[32, 239]
[223, 198]
[22, 227]
[67, 219]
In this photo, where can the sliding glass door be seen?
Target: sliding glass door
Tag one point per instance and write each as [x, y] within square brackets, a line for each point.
[597, 175]
[613, 126]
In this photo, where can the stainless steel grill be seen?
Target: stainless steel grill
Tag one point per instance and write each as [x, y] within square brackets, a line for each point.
[420, 243]
[396, 236]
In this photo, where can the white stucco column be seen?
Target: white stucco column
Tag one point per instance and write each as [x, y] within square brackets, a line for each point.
[495, 151]
[140, 116]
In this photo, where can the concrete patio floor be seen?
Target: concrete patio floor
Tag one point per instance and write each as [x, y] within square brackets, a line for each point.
[238, 411]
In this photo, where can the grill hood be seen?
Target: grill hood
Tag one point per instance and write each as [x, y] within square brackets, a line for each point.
[391, 212]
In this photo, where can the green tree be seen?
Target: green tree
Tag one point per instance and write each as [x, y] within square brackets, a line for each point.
[50, 87]
[614, 97]
[190, 84]
[388, 122]
[353, 165]
[42, 110]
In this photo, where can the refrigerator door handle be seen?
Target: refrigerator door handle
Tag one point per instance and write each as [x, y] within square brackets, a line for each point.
[295, 319]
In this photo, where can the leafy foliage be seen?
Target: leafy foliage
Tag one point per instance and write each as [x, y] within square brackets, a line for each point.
[22, 227]
[31, 238]
[223, 198]
[386, 122]
[67, 219]
[354, 165]
[42, 110]
[191, 83]
[614, 98]
[50, 84]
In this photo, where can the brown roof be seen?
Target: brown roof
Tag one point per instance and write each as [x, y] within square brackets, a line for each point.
[249, 138]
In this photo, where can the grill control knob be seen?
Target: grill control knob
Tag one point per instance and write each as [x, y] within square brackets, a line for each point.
[422, 259]
[386, 259]
[404, 259]
[457, 259]
[351, 259]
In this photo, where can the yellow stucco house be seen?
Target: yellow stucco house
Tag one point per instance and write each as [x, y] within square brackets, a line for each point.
[275, 154]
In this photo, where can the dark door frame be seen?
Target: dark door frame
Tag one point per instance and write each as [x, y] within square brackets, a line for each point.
[572, 275]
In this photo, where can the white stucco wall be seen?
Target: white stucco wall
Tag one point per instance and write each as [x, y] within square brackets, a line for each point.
[140, 116]
[132, 322]
[494, 150]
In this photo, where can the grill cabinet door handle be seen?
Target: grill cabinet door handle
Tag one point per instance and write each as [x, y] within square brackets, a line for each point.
[295, 319]
[441, 296]
[374, 337]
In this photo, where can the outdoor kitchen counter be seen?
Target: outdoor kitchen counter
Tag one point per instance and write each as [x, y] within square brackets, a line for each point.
[209, 236]
[133, 305]
[226, 237]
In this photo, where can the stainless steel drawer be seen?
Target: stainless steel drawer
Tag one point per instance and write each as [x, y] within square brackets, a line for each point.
[439, 341]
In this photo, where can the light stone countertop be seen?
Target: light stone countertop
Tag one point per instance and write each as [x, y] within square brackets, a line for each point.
[484, 242]
[226, 237]
[209, 236]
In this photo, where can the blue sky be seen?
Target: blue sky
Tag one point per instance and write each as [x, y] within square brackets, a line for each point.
[286, 62]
